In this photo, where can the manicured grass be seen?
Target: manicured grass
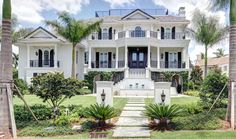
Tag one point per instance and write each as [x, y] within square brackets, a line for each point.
[178, 100]
[194, 135]
[76, 100]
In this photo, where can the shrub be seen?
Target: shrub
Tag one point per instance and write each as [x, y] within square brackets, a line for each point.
[62, 120]
[212, 86]
[54, 88]
[201, 121]
[22, 114]
[105, 76]
[192, 93]
[84, 91]
[193, 108]
[35, 129]
[101, 113]
[88, 125]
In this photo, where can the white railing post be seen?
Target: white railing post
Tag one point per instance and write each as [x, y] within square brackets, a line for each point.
[28, 56]
[158, 57]
[90, 56]
[117, 56]
[55, 56]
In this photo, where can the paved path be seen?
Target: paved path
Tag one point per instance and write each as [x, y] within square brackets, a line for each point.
[132, 123]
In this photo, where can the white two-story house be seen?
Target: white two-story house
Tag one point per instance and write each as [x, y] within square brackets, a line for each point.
[138, 44]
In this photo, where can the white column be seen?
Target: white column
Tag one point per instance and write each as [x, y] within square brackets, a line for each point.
[149, 54]
[158, 57]
[55, 56]
[117, 57]
[126, 56]
[28, 56]
[90, 57]
[186, 58]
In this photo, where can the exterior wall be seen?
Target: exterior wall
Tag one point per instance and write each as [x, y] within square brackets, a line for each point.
[22, 62]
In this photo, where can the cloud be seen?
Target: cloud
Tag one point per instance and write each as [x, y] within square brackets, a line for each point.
[190, 5]
[116, 3]
[30, 11]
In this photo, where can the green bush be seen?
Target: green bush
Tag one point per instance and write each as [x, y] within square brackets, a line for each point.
[201, 121]
[192, 93]
[22, 114]
[62, 120]
[105, 76]
[101, 113]
[212, 86]
[84, 91]
[39, 129]
[193, 108]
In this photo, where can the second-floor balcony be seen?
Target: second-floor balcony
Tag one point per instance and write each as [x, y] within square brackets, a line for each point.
[139, 34]
[44, 63]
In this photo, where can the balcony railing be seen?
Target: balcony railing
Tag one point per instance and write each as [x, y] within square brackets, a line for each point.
[176, 35]
[172, 64]
[43, 63]
[103, 64]
[168, 64]
[138, 34]
[121, 64]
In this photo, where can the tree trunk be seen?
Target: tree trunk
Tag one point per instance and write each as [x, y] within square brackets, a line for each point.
[73, 70]
[205, 60]
[232, 59]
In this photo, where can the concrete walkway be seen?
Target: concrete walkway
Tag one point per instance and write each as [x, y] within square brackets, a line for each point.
[132, 123]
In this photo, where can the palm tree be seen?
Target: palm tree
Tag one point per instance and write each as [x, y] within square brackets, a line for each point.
[231, 6]
[74, 31]
[206, 31]
[219, 53]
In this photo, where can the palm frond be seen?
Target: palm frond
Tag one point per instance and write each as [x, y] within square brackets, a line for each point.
[216, 5]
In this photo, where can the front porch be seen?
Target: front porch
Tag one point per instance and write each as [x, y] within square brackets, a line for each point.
[138, 59]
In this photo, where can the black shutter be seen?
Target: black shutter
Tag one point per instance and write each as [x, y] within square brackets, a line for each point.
[109, 59]
[173, 33]
[179, 60]
[40, 62]
[97, 60]
[52, 58]
[162, 33]
[100, 34]
[166, 59]
[110, 33]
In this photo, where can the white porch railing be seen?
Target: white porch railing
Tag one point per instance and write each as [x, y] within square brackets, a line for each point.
[137, 73]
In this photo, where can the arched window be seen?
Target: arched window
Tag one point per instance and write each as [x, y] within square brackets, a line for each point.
[138, 32]
[46, 57]
[105, 35]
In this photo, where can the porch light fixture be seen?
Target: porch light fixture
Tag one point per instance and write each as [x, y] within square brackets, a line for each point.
[163, 97]
[114, 56]
[36, 53]
[103, 96]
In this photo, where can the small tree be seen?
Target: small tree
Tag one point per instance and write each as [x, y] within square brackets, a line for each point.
[212, 86]
[196, 76]
[53, 88]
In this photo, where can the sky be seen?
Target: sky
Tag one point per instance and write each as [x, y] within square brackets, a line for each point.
[33, 13]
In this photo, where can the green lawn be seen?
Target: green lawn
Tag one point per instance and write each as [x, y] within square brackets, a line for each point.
[178, 100]
[76, 100]
[194, 135]
[170, 135]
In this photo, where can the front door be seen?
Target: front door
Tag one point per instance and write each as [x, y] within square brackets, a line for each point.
[137, 57]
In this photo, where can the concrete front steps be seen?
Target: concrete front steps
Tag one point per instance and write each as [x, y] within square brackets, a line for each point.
[132, 124]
